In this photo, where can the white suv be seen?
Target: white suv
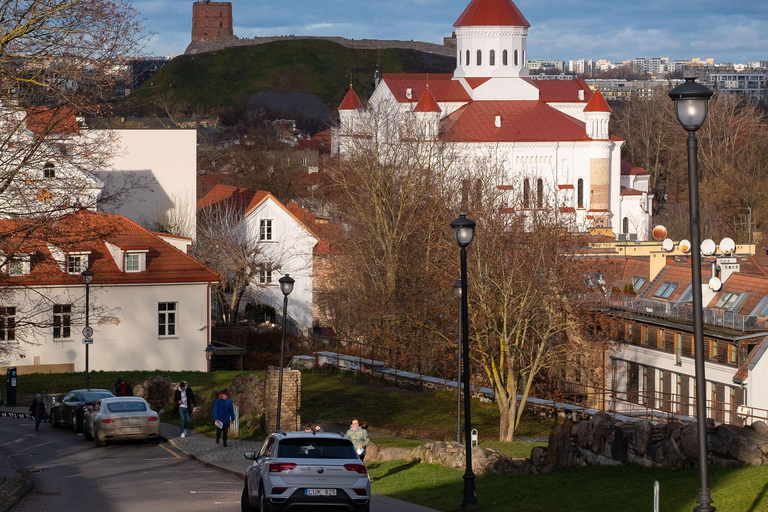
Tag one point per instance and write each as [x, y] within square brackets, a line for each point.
[302, 469]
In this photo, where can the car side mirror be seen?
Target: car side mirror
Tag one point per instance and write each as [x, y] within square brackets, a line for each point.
[250, 455]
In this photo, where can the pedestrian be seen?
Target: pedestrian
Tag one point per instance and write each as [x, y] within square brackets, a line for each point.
[309, 428]
[123, 387]
[184, 398]
[359, 437]
[223, 415]
[37, 410]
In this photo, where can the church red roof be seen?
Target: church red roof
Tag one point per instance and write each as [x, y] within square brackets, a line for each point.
[350, 101]
[491, 13]
[597, 103]
[442, 86]
[628, 169]
[427, 103]
[561, 91]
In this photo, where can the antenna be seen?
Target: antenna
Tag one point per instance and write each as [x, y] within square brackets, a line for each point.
[715, 284]
[659, 232]
[668, 245]
[727, 246]
[708, 247]
[685, 245]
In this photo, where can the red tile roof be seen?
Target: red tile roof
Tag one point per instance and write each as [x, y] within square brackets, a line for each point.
[561, 91]
[597, 103]
[491, 13]
[45, 121]
[628, 169]
[474, 83]
[245, 200]
[427, 103]
[89, 232]
[350, 101]
[626, 191]
[740, 283]
[522, 121]
[442, 86]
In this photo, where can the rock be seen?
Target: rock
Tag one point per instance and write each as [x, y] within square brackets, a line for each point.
[673, 457]
[394, 454]
[158, 391]
[620, 445]
[689, 444]
[372, 452]
[641, 432]
[247, 392]
[510, 466]
[539, 456]
[760, 428]
[559, 446]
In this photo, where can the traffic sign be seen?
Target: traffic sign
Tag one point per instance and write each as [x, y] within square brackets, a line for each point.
[87, 331]
[87, 341]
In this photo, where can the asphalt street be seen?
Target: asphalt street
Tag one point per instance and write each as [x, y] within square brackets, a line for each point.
[70, 474]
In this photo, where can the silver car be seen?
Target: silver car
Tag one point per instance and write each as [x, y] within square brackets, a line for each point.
[306, 470]
[119, 418]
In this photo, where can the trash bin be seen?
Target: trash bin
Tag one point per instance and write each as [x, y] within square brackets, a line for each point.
[10, 387]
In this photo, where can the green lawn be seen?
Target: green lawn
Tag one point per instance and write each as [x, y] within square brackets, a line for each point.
[623, 488]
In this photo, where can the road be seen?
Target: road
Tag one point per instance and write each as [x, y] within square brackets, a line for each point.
[70, 474]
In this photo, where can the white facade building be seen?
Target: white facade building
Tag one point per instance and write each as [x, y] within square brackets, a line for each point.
[551, 137]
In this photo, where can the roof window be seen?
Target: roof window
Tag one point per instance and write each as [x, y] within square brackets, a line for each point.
[665, 290]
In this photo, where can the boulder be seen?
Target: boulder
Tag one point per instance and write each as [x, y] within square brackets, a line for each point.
[689, 444]
[539, 456]
[760, 428]
[641, 433]
[372, 452]
[559, 446]
[392, 453]
[247, 392]
[158, 391]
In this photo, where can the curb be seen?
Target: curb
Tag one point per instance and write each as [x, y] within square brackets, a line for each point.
[20, 494]
[201, 460]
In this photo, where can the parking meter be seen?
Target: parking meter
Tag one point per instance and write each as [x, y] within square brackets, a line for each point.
[10, 386]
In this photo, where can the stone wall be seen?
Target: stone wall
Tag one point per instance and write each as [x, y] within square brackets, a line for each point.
[602, 440]
[291, 400]
[196, 47]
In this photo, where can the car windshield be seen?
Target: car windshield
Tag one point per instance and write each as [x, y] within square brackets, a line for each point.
[92, 396]
[316, 448]
[126, 406]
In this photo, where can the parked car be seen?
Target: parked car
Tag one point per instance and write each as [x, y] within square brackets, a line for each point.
[69, 411]
[121, 418]
[302, 469]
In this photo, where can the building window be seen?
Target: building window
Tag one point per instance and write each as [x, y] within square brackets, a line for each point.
[304, 162]
[49, 170]
[665, 290]
[693, 346]
[265, 229]
[644, 334]
[492, 58]
[133, 262]
[504, 58]
[526, 193]
[540, 193]
[18, 267]
[166, 319]
[628, 334]
[459, 57]
[265, 273]
[625, 225]
[727, 300]
[644, 385]
[62, 319]
[7, 324]
[678, 391]
[76, 263]
[467, 57]
[514, 58]
[660, 338]
[713, 349]
[687, 295]
[678, 348]
[580, 193]
[638, 282]
[732, 353]
[479, 58]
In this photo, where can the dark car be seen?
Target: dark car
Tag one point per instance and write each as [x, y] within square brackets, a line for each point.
[69, 411]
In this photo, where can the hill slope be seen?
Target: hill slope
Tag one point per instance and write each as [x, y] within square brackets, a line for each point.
[234, 75]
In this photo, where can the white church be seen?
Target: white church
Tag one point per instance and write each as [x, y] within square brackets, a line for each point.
[551, 136]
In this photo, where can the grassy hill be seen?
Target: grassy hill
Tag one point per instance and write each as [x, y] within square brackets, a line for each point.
[234, 75]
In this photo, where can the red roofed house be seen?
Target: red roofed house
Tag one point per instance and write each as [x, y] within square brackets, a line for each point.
[287, 236]
[149, 301]
[551, 136]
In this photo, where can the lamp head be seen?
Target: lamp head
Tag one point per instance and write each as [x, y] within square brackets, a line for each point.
[463, 230]
[209, 350]
[691, 103]
[457, 289]
[286, 284]
[87, 276]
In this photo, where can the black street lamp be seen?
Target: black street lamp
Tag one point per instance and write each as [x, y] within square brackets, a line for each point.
[87, 279]
[286, 286]
[210, 350]
[464, 232]
[691, 104]
[457, 293]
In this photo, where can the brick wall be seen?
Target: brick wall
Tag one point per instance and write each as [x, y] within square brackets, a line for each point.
[291, 401]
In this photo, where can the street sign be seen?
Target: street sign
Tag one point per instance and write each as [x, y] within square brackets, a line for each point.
[87, 341]
[87, 331]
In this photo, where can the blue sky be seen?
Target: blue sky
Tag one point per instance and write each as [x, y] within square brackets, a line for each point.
[728, 31]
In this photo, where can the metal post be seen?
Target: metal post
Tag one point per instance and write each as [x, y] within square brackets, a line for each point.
[458, 383]
[470, 498]
[704, 499]
[87, 305]
[280, 372]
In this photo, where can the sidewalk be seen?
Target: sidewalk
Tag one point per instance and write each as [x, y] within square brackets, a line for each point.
[231, 460]
[14, 485]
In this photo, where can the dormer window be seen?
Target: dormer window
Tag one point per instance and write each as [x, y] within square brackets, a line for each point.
[77, 263]
[665, 290]
[135, 260]
[18, 266]
[49, 170]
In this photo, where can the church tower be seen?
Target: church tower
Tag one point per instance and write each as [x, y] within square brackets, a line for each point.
[211, 20]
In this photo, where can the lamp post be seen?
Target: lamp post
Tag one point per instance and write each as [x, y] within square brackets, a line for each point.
[691, 104]
[457, 294]
[464, 231]
[286, 286]
[87, 279]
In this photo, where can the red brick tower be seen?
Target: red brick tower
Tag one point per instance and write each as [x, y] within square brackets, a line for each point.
[211, 20]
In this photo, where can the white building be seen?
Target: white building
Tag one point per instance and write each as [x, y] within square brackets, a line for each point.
[286, 241]
[149, 304]
[551, 137]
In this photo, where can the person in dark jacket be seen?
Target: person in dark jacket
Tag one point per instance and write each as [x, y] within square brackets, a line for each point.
[37, 410]
[223, 415]
[184, 398]
[123, 387]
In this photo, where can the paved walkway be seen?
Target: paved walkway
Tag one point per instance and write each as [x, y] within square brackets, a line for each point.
[14, 485]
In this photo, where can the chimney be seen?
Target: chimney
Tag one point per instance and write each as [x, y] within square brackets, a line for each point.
[409, 93]
[498, 121]
[581, 94]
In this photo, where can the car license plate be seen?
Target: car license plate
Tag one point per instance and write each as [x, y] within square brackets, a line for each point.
[320, 492]
[130, 430]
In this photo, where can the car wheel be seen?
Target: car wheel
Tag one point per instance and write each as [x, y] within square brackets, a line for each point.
[75, 425]
[87, 435]
[97, 440]
[263, 504]
[245, 504]
[54, 421]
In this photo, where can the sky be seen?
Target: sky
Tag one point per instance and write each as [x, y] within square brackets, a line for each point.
[729, 31]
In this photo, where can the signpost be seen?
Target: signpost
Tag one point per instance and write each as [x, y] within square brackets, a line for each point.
[87, 331]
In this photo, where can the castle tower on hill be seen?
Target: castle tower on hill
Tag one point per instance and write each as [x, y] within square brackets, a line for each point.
[211, 20]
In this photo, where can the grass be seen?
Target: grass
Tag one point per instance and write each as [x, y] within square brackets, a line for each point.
[626, 488]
